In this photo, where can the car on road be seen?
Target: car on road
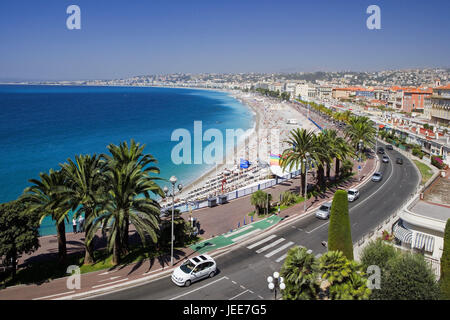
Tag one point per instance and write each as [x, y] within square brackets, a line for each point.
[385, 159]
[377, 176]
[389, 147]
[352, 194]
[399, 161]
[324, 211]
[194, 269]
[381, 150]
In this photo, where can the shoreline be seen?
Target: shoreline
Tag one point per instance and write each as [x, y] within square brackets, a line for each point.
[211, 172]
[269, 114]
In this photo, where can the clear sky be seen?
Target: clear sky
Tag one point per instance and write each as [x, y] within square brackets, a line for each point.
[124, 38]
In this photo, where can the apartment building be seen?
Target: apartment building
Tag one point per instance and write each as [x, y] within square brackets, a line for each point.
[439, 105]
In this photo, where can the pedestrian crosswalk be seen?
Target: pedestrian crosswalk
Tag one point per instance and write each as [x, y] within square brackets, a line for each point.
[272, 246]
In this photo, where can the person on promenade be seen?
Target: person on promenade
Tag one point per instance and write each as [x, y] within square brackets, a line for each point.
[74, 225]
[81, 223]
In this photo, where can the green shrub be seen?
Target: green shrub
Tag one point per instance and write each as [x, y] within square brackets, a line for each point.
[407, 277]
[288, 198]
[445, 264]
[339, 231]
[300, 273]
[378, 253]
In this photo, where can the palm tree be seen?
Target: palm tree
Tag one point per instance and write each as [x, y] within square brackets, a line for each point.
[129, 199]
[43, 198]
[302, 142]
[85, 190]
[323, 153]
[124, 155]
[360, 129]
[300, 271]
[339, 150]
[261, 201]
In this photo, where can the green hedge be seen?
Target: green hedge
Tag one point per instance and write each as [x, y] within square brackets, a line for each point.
[445, 264]
[339, 231]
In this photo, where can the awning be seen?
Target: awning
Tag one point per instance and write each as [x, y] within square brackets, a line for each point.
[424, 241]
[402, 234]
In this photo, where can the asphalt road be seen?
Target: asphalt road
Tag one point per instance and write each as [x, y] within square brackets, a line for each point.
[243, 272]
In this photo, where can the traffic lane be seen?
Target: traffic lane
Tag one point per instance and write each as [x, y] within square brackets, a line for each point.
[250, 269]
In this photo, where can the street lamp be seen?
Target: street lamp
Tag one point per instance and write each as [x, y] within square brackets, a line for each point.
[306, 164]
[173, 181]
[276, 282]
[360, 145]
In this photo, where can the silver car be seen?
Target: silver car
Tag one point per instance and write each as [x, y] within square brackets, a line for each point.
[324, 211]
[377, 176]
[353, 194]
[194, 269]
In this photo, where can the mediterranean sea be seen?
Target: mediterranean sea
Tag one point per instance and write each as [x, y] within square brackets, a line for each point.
[43, 126]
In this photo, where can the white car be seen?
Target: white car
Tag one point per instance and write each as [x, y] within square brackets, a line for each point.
[194, 269]
[324, 211]
[353, 194]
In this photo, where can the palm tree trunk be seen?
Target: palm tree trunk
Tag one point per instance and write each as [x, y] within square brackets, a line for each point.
[328, 170]
[116, 250]
[14, 264]
[62, 248]
[125, 236]
[303, 181]
[336, 174]
[89, 249]
[321, 176]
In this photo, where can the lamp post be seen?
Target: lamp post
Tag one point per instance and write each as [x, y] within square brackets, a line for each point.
[360, 145]
[276, 282]
[173, 181]
[306, 164]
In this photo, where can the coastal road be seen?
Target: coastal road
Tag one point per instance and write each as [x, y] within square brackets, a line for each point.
[243, 271]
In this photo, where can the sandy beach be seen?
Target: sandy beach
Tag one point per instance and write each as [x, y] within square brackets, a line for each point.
[270, 130]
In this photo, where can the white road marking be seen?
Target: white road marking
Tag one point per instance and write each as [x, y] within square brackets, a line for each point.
[279, 249]
[240, 294]
[189, 292]
[282, 257]
[111, 278]
[373, 193]
[273, 244]
[237, 239]
[261, 242]
[318, 227]
[108, 283]
[237, 231]
[54, 295]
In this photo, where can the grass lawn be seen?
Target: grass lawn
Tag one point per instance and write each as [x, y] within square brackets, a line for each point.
[425, 171]
[274, 209]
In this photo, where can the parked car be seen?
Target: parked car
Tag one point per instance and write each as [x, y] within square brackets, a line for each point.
[353, 194]
[324, 211]
[399, 160]
[381, 150]
[389, 147]
[194, 269]
[377, 176]
[385, 159]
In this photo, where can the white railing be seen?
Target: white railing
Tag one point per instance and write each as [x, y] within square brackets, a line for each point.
[195, 205]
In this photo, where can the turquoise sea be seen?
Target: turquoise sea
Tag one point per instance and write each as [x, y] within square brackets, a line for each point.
[42, 126]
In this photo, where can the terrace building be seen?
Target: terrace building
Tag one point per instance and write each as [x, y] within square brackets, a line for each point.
[439, 105]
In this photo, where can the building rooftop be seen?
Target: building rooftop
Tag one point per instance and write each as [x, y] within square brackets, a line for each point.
[430, 210]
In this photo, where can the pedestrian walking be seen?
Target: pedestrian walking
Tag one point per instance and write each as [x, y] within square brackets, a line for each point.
[81, 223]
[74, 225]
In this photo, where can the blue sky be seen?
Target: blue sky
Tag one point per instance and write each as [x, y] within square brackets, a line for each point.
[125, 38]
